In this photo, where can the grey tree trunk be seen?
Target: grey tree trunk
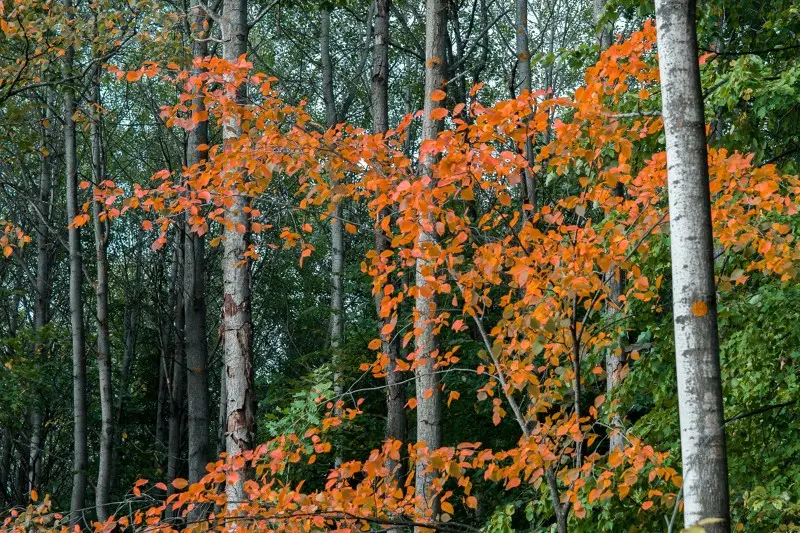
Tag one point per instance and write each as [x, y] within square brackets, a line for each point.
[163, 392]
[604, 30]
[194, 286]
[80, 450]
[327, 66]
[5, 467]
[705, 472]
[131, 325]
[337, 228]
[41, 309]
[178, 382]
[524, 73]
[396, 426]
[101, 235]
[429, 403]
[615, 277]
[236, 311]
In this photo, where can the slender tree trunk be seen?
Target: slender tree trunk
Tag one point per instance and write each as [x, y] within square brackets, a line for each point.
[131, 325]
[41, 309]
[337, 228]
[615, 277]
[162, 399]
[178, 385]
[194, 280]
[396, 426]
[80, 450]
[5, 467]
[429, 403]
[236, 311]
[222, 415]
[524, 73]
[705, 472]
[604, 31]
[101, 235]
[327, 66]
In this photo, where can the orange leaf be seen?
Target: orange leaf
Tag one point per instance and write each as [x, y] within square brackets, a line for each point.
[647, 505]
[438, 95]
[439, 113]
[699, 308]
[180, 483]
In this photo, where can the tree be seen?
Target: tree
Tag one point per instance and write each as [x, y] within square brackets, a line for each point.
[80, 451]
[705, 470]
[396, 424]
[429, 403]
[194, 278]
[236, 311]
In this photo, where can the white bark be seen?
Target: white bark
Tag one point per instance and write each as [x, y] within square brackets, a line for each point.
[236, 313]
[705, 480]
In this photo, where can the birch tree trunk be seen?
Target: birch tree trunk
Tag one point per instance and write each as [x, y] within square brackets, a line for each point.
[194, 285]
[80, 452]
[101, 235]
[429, 403]
[705, 473]
[396, 427]
[236, 311]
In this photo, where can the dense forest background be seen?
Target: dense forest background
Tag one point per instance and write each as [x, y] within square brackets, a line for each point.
[120, 320]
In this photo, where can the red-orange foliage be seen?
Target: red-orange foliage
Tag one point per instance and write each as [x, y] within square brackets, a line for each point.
[541, 272]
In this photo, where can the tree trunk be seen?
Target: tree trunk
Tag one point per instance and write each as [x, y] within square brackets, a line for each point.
[337, 228]
[429, 403]
[41, 309]
[615, 277]
[162, 398]
[101, 235]
[178, 385]
[705, 473]
[5, 468]
[80, 451]
[236, 312]
[604, 31]
[194, 280]
[396, 427]
[524, 73]
[131, 325]
[327, 66]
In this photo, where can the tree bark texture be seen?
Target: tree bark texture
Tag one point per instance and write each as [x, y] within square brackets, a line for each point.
[236, 311]
[705, 473]
[80, 450]
[429, 402]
